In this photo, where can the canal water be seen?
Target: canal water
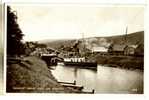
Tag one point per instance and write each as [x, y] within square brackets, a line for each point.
[104, 80]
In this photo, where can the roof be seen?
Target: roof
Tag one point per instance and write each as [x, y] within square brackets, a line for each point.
[118, 47]
[133, 46]
[99, 49]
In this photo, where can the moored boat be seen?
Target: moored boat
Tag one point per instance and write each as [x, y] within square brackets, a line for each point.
[80, 62]
[77, 57]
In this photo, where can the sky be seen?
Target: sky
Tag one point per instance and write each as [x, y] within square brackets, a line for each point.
[39, 22]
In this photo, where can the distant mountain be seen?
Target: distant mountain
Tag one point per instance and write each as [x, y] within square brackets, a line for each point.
[132, 38]
[58, 43]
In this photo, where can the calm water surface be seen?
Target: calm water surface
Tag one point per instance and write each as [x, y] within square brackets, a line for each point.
[104, 80]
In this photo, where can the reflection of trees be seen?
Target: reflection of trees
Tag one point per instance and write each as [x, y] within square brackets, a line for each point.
[14, 34]
[75, 73]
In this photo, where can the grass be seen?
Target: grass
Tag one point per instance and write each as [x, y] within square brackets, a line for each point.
[33, 75]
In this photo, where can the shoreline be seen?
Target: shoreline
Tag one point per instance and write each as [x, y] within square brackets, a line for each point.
[125, 62]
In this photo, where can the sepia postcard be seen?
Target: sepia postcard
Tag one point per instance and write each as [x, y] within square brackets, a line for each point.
[74, 48]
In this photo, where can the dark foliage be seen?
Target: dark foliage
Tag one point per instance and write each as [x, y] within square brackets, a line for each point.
[14, 34]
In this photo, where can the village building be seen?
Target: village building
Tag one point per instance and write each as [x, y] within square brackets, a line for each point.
[122, 49]
[117, 49]
[99, 50]
[130, 49]
[139, 51]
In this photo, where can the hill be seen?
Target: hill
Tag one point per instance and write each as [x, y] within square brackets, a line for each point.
[132, 38]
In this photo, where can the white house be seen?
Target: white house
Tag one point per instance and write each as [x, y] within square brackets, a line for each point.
[99, 49]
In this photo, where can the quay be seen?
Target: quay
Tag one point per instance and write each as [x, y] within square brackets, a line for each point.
[74, 83]
[74, 86]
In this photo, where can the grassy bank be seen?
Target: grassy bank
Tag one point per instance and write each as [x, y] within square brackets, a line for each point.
[128, 62]
[33, 75]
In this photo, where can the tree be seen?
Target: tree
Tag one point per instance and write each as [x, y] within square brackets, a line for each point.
[14, 34]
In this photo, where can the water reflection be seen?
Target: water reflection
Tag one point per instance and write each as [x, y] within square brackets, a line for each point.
[104, 80]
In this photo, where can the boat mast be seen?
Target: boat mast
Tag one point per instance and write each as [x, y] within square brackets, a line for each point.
[83, 44]
[126, 35]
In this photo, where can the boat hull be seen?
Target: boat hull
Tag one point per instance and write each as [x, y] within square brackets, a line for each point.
[87, 65]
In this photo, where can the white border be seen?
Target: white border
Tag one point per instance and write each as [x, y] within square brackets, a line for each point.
[146, 56]
[81, 1]
[5, 49]
[2, 47]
